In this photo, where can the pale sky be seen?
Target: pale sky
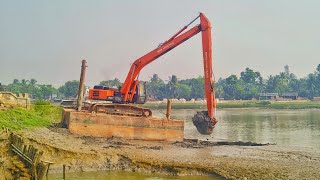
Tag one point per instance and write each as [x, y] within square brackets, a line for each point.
[47, 40]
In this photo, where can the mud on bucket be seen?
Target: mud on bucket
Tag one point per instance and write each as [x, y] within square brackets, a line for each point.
[203, 122]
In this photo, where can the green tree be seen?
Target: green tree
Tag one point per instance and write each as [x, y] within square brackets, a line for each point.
[249, 76]
[183, 91]
[197, 87]
[286, 70]
[16, 81]
[111, 83]
[1, 87]
[250, 91]
[33, 81]
[24, 81]
[311, 86]
[172, 87]
[317, 74]
[46, 91]
[219, 92]
[232, 87]
[283, 82]
[69, 89]
[248, 86]
[156, 88]
[37, 91]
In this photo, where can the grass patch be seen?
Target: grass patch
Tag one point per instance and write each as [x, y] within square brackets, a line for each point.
[296, 105]
[40, 115]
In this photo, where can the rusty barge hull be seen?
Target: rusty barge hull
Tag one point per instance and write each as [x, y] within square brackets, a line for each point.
[128, 127]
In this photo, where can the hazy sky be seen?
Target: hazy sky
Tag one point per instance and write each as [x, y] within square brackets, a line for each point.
[47, 40]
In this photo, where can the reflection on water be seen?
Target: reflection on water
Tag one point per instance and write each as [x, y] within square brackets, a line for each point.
[283, 127]
[122, 175]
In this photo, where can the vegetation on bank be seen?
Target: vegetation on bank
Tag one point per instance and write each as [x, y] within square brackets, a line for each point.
[41, 114]
[239, 104]
[246, 86]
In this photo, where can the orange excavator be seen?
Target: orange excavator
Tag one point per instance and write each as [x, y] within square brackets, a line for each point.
[134, 92]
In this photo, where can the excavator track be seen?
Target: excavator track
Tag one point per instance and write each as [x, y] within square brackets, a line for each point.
[120, 109]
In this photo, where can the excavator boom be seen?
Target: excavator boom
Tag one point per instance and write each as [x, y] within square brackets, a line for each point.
[153, 55]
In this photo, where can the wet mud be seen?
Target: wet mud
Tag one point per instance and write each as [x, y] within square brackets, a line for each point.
[196, 143]
[203, 122]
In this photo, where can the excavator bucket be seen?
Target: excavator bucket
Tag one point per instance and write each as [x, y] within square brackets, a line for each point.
[203, 122]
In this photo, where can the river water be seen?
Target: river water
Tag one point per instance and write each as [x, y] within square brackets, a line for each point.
[296, 128]
[300, 128]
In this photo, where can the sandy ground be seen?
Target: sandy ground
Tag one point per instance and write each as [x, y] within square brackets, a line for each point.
[233, 161]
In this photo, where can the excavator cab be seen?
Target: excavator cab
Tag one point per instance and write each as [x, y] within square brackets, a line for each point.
[141, 93]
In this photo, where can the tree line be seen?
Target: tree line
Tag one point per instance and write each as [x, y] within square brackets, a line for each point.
[41, 91]
[37, 91]
[250, 84]
[247, 85]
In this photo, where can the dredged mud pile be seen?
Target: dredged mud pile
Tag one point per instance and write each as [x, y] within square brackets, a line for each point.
[231, 160]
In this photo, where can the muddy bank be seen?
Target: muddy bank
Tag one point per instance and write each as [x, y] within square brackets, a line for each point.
[235, 160]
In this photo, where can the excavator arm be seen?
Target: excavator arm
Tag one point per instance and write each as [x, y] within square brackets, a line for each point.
[204, 121]
[153, 55]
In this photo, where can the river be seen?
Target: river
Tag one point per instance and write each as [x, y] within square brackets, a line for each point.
[299, 128]
[294, 128]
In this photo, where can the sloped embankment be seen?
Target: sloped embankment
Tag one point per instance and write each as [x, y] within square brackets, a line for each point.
[232, 160]
[93, 154]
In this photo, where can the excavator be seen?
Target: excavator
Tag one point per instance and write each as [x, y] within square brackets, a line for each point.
[134, 91]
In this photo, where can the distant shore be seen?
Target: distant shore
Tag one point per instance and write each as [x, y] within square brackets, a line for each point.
[240, 104]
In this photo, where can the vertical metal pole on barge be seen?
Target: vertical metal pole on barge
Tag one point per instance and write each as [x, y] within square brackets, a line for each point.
[64, 172]
[81, 85]
[168, 114]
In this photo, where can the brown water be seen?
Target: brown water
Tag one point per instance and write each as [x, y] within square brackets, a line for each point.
[300, 128]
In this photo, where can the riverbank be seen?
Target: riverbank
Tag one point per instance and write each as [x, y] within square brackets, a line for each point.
[241, 104]
[219, 160]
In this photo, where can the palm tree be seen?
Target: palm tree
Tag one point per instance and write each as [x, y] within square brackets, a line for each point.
[172, 86]
[16, 81]
[33, 81]
[24, 81]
